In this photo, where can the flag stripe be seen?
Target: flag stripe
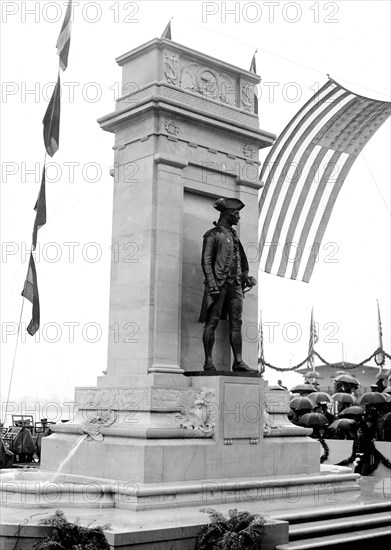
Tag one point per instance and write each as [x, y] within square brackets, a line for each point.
[277, 238]
[321, 195]
[301, 136]
[295, 149]
[323, 94]
[304, 173]
[297, 206]
[347, 164]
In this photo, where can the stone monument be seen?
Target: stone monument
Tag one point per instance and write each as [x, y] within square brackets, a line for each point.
[158, 430]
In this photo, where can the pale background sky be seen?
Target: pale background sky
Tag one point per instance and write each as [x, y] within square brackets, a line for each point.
[297, 47]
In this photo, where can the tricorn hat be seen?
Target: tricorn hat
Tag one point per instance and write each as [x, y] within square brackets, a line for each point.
[224, 204]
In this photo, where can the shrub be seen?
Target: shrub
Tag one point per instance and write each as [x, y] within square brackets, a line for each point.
[240, 531]
[71, 536]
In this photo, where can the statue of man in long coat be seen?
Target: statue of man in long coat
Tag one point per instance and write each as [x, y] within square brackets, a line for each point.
[225, 267]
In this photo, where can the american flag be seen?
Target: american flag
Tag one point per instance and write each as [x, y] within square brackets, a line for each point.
[313, 340]
[304, 173]
[64, 39]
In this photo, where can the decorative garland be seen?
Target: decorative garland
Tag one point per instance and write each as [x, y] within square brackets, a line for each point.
[326, 453]
[266, 364]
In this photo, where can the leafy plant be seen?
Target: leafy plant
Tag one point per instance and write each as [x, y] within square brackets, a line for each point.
[71, 536]
[240, 531]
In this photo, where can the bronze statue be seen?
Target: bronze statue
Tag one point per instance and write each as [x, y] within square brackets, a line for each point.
[225, 267]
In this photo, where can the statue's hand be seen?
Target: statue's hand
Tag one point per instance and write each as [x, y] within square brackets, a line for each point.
[251, 281]
[214, 292]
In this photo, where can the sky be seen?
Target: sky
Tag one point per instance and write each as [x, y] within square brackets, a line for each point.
[298, 44]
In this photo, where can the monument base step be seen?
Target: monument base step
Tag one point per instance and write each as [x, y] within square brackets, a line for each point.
[45, 489]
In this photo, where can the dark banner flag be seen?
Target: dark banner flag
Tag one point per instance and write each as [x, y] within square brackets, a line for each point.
[40, 208]
[64, 39]
[51, 121]
[30, 292]
[304, 173]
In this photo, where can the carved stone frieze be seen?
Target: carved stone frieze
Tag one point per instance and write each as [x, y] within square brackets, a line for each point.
[172, 398]
[113, 398]
[209, 83]
[247, 95]
[170, 66]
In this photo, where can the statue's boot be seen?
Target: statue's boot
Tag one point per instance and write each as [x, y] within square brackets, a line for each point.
[241, 366]
[236, 343]
[208, 341]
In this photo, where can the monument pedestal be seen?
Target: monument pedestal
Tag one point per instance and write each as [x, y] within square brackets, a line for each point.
[182, 429]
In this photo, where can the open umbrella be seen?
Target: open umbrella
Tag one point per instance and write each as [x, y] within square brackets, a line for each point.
[339, 372]
[303, 388]
[277, 388]
[344, 398]
[371, 398]
[320, 397]
[347, 379]
[302, 403]
[313, 419]
[343, 424]
[352, 411]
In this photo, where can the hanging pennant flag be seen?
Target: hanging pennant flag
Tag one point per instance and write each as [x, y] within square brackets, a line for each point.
[30, 291]
[313, 340]
[51, 121]
[253, 66]
[167, 31]
[304, 172]
[64, 39]
[40, 208]
[261, 353]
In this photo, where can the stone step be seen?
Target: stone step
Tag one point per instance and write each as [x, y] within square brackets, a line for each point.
[349, 523]
[353, 538]
[334, 512]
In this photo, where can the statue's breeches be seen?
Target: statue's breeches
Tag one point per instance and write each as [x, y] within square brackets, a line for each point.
[229, 301]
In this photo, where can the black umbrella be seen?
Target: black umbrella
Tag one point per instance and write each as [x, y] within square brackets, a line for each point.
[303, 388]
[347, 379]
[313, 419]
[320, 397]
[343, 424]
[302, 403]
[352, 411]
[344, 398]
[371, 398]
